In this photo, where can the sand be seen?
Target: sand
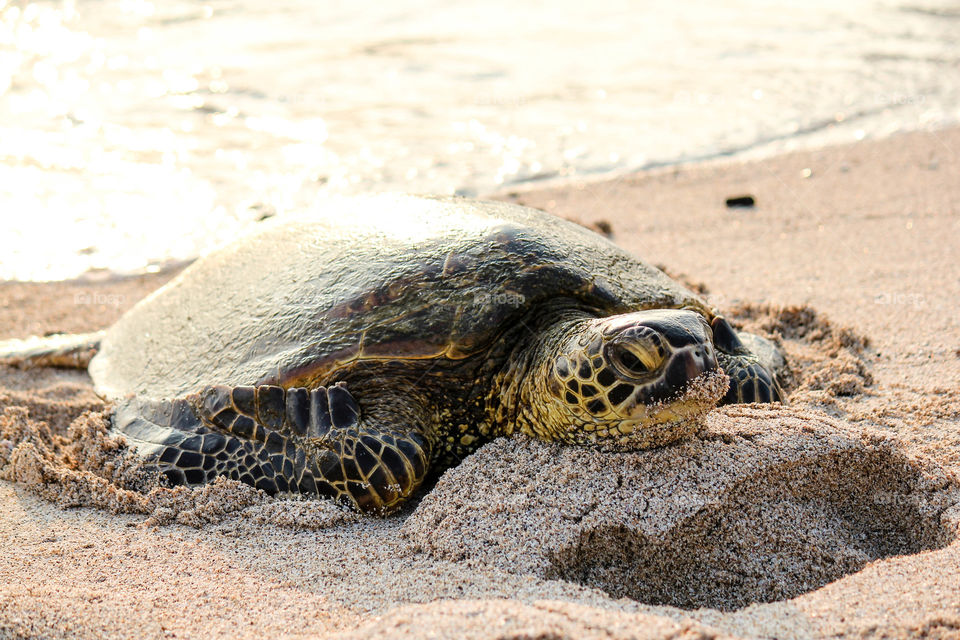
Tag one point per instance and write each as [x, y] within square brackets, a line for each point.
[763, 505]
[835, 516]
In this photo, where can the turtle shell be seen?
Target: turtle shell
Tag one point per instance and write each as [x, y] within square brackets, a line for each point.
[387, 277]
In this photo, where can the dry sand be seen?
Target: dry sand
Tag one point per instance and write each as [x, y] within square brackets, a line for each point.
[833, 517]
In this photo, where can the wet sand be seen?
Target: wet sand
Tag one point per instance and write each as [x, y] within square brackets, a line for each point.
[836, 516]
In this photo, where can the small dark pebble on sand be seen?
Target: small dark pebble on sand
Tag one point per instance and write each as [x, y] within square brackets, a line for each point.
[740, 202]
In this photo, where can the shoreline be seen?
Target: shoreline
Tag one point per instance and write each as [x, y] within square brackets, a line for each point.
[848, 256]
[800, 142]
[819, 137]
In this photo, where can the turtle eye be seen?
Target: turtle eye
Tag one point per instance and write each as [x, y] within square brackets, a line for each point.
[634, 360]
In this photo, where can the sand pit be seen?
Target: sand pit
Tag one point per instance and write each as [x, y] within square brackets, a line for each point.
[764, 505]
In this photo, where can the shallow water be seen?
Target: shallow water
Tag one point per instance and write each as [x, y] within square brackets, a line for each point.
[133, 133]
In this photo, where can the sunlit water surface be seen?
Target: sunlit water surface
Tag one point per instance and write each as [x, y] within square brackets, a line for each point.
[134, 133]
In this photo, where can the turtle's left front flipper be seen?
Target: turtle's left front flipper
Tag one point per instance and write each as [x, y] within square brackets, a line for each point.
[173, 440]
[751, 378]
[323, 443]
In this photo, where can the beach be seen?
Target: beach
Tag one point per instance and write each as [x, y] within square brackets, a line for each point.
[835, 516]
[156, 131]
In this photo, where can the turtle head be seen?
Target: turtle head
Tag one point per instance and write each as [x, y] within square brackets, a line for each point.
[631, 381]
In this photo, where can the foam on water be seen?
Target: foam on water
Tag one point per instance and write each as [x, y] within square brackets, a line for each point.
[133, 133]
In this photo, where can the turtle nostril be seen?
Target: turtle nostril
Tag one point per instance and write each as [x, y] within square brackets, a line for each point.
[695, 365]
[704, 358]
[710, 358]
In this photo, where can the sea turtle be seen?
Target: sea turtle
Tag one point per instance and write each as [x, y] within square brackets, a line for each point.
[348, 352]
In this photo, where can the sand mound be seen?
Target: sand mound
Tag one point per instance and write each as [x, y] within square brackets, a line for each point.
[87, 467]
[512, 620]
[823, 360]
[765, 504]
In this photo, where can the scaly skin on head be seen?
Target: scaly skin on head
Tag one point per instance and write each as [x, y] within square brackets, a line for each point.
[625, 382]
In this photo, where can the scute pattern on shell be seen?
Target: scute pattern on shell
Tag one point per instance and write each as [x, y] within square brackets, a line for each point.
[302, 297]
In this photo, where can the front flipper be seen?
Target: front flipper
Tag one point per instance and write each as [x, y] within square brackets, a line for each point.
[750, 379]
[372, 462]
[174, 441]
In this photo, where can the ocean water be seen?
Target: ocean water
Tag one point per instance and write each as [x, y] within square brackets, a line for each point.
[135, 133]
